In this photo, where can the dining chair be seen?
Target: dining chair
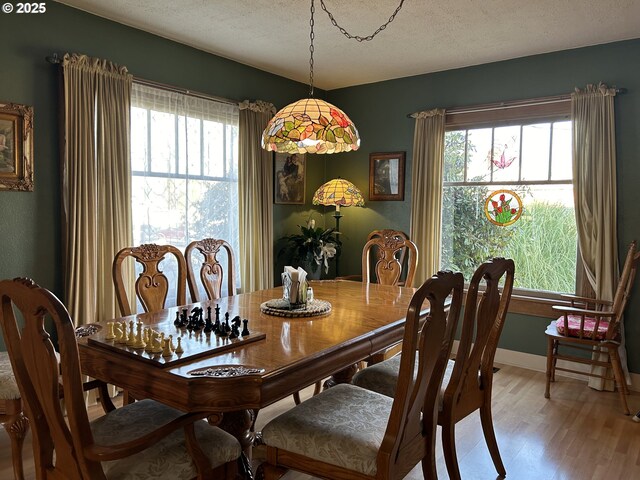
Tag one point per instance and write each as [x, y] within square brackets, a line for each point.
[592, 326]
[145, 439]
[467, 380]
[11, 415]
[389, 248]
[348, 432]
[211, 272]
[152, 285]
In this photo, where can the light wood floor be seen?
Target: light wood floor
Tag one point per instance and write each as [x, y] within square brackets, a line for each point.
[579, 434]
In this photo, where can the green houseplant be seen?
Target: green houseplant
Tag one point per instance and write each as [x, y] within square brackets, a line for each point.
[312, 248]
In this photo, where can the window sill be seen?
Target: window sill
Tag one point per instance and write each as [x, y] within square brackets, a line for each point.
[535, 306]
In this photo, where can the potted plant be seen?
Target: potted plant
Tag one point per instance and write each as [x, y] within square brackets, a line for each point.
[312, 248]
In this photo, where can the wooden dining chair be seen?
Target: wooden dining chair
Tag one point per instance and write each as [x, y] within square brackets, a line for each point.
[468, 380]
[152, 285]
[145, 439]
[11, 415]
[211, 272]
[592, 326]
[348, 432]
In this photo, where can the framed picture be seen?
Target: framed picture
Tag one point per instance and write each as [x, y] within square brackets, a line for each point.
[289, 178]
[386, 176]
[16, 147]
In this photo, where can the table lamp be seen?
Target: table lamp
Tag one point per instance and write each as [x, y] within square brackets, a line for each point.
[338, 192]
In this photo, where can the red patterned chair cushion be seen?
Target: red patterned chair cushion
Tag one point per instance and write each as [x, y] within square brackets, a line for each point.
[589, 325]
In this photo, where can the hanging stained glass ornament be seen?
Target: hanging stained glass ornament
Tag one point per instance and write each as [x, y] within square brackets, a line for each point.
[503, 207]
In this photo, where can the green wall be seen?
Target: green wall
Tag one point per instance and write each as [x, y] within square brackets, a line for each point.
[380, 112]
[30, 222]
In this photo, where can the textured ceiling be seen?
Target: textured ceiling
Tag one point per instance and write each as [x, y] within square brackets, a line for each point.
[426, 36]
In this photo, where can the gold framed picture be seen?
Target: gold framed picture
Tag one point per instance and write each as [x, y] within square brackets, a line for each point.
[16, 147]
[386, 176]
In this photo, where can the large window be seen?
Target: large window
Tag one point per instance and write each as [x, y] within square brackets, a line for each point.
[508, 193]
[184, 159]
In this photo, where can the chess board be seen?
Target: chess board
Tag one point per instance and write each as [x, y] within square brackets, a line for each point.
[195, 345]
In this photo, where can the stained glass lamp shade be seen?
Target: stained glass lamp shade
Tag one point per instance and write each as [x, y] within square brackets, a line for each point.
[338, 192]
[310, 126]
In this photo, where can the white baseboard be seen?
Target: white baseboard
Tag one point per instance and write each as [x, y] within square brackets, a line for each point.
[539, 364]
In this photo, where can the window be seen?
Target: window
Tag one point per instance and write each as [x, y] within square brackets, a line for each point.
[184, 162]
[507, 192]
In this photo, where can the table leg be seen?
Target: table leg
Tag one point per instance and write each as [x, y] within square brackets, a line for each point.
[239, 425]
[343, 376]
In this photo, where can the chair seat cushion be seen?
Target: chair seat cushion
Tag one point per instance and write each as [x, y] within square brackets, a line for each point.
[8, 386]
[342, 426]
[383, 377]
[166, 459]
[589, 326]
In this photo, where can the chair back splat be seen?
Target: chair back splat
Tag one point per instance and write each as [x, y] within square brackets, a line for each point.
[391, 247]
[152, 285]
[211, 272]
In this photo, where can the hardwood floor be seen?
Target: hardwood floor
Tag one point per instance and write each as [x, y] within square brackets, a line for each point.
[579, 434]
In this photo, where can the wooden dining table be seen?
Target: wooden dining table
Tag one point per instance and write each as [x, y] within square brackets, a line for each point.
[234, 378]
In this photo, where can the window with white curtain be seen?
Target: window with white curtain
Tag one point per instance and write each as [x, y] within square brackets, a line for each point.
[184, 165]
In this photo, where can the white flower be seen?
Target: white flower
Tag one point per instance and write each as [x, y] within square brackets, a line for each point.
[327, 251]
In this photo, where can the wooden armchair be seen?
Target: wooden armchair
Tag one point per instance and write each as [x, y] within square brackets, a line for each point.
[468, 380]
[348, 432]
[152, 285]
[211, 272]
[142, 440]
[593, 327]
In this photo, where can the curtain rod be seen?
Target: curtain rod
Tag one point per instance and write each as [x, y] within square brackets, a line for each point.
[486, 107]
[56, 59]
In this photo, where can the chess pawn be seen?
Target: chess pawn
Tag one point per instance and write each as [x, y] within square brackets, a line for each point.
[171, 345]
[179, 350]
[110, 333]
[166, 348]
[149, 341]
[176, 322]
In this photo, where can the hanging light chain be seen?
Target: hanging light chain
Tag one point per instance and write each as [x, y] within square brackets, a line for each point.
[347, 34]
[311, 37]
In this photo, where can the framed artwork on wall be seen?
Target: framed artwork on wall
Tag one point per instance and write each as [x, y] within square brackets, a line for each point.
[289, 178]
[16, 147]
[386, 176]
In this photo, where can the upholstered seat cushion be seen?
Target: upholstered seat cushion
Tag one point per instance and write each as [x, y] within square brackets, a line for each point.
[342, 426]
[166, 459]
[383, 377]
[589, 327]
[8, 386]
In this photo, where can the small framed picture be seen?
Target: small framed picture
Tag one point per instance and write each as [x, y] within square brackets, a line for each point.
[386, 176]
[16, 147]
[289, 178]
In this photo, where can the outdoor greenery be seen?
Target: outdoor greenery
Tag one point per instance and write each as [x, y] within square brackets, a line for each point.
[542, 242]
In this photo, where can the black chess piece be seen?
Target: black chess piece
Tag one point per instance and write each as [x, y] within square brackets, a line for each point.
[176, 322]
[245, 329]
[226, 326]
[208, 326]
[217, 313]
[183, 318]
[235, 332]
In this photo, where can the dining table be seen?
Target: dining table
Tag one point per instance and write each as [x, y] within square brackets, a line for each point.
[277, 353]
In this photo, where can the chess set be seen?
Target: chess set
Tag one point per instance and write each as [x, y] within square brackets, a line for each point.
[191, 337]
